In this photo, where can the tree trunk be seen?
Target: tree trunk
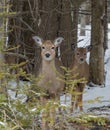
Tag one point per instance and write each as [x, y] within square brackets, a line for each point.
[97, 41]
[75, 24]
[2, 31]
[88, 10]
[2, 42]
[75, 16]
[105, 22]
[48, 27]
[66, 31]
[83, 20]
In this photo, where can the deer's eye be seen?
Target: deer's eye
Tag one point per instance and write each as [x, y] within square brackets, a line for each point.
[85, 54]
[43, 47]
[53, 47]
[78, 54]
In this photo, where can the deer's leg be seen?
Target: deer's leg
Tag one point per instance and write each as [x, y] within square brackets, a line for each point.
[80, 102]
[44, 114]
[44, 121]
[74, 103]
[52, 118]
[80, 96]
[74, 99]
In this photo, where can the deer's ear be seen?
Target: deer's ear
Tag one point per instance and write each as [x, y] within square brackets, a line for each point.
[38, 40]
[58, 41]
[89, 47]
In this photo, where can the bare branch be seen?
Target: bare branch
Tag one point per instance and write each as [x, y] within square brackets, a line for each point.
[27, 25]
[17, 55]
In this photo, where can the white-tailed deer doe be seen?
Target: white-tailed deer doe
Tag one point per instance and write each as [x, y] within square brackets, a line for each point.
[49, 68]
[80, 71]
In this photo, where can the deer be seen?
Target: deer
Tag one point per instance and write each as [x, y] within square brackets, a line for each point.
[80, 70]
[49, 68]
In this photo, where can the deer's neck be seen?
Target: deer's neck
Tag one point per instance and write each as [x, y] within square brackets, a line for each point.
[48, 66]
[79, 64]
[81, 68]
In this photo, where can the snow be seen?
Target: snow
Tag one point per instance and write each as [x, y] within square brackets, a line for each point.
[86, 38]
[2, 123]
[94, 93]
[20, 94]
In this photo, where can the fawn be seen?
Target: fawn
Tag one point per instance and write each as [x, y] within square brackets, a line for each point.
[80, 71]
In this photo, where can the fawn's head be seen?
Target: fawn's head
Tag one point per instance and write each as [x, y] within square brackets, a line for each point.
[48, 47]
[81, 53]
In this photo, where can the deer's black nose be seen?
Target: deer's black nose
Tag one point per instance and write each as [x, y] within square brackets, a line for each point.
[47, 55]
[81, 59]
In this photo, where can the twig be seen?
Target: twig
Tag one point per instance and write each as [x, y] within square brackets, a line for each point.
[17, 55]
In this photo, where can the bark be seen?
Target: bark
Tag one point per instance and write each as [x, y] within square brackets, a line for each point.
[83, 20]
[66, 31]
[105, 22]
[48, 27]
[14, 28]
[75, 24]
[97, 41]
[2, 29]
[2, 42]
[88, 9]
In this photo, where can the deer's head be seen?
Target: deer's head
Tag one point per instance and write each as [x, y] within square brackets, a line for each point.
[48, 47]
[81, 53]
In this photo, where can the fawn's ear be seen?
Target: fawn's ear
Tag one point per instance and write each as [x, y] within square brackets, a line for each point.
[89, 47]
[38, 40]
[58, 41]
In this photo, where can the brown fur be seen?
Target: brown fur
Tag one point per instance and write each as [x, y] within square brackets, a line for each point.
[81, 69]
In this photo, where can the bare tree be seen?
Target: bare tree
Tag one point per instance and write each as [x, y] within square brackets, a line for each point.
[1, 29]
[83, 20]
[105, 23]
[66, 30]
[2, 43]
